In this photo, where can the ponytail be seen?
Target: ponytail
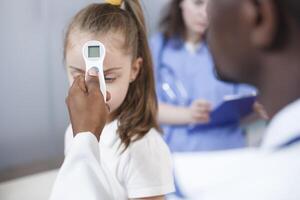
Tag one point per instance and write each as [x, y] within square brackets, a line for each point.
[134, 7]
[144, 104]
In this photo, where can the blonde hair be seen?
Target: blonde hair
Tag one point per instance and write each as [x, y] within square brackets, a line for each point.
[138, 113]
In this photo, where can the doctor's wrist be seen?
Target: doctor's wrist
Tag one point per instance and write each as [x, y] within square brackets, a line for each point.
[95, 133]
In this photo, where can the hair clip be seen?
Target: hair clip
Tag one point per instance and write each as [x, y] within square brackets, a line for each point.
[114, 2]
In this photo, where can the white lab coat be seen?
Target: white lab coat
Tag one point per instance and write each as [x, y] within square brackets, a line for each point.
[265, 173]
[81, 175]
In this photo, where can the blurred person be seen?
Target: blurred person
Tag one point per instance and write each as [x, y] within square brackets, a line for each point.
[262, 44]
[186, 84]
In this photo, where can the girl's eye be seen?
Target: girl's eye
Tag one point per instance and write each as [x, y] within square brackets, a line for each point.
[110, 79]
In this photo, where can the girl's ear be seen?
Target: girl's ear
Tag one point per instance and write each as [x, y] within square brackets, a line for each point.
[135, 69]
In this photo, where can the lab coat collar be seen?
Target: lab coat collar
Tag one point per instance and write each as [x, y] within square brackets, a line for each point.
[284, 127]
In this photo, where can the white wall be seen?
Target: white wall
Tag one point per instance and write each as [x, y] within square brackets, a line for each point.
[33, 82]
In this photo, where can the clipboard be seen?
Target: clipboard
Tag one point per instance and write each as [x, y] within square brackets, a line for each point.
[232, 109]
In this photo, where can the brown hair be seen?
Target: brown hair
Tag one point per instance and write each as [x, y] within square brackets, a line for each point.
[172, 23]
[138, 113]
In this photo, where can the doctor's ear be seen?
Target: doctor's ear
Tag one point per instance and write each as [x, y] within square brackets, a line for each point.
[262, 18]
[135, 69]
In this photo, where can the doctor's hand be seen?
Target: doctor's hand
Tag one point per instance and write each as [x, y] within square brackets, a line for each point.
[87, 109]
[200, 111]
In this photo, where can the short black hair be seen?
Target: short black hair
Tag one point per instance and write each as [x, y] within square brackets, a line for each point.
[291, 7]
[286, 9]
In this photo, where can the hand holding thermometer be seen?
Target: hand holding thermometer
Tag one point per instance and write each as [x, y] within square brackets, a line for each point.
[93, 54]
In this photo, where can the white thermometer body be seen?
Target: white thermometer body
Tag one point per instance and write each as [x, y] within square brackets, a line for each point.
[93, 54]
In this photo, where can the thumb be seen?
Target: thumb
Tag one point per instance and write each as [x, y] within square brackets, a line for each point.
[92, 80]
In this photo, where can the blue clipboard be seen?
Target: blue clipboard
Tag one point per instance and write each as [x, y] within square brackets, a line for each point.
[232, 109]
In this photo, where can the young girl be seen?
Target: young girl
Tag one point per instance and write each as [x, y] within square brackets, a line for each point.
[133, 156]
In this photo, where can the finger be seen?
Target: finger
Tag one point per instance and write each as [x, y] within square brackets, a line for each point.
[202, 119]
[202, 103]
[259, 108]
[75, 86]
[92, 82]
[203, 109]
[81, 83]
[201, 115]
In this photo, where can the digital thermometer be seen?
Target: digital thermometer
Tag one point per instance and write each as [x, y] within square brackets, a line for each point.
[93, 54]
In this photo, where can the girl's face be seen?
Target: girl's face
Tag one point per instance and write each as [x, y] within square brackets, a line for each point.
[119, 67]
[194, 15]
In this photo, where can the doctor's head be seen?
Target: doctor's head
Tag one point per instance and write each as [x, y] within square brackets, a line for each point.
[127, 65]
[256, 42]
[185, 18]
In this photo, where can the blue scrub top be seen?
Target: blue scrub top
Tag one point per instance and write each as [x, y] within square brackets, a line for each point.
[196, 72]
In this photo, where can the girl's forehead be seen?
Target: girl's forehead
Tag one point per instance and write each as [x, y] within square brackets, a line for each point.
[116, 55]
[113, 41]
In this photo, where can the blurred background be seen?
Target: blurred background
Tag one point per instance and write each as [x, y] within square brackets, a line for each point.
[33, 85]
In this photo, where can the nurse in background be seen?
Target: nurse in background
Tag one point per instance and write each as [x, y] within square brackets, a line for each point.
[186, 84]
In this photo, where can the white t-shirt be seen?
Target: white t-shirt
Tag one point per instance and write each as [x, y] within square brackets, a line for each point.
[144, 169]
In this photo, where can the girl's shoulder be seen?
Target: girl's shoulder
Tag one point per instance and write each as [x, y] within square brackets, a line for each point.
[153, 139]
[149, 148]
[148, 163]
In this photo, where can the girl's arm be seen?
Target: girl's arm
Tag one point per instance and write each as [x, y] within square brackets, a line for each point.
[197, 112]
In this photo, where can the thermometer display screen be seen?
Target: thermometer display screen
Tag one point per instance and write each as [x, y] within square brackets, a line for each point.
[94, 51]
